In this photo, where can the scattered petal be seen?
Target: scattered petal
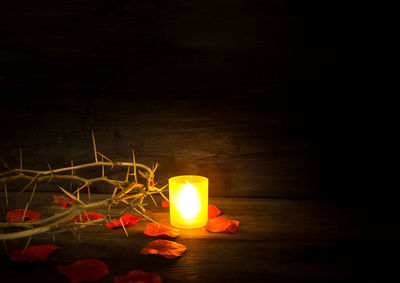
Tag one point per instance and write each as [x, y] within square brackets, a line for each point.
[90, 216]
[213, 211]
[138, 276]
[60, 200]
[127, 220]
[33, 253]
[222, 224]
[164, 203]
[17, 214]
[155, 229]
[165, 248]
[84, 270]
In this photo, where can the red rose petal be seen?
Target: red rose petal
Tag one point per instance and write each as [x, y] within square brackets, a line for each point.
[164, 203]
[90, 216]
[17, 214]
[165, 248]
[60, 200]
[127, 220]
[138, 276]
[84, 270]
[154, 230]
[213, 211]
[33, 253]
[221, 224]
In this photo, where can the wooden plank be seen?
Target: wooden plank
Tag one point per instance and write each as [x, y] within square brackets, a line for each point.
[241, 155]
[277, 241]
[218, 260]
[261, 219]
[243, 92]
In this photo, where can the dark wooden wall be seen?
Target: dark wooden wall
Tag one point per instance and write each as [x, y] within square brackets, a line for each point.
[248, 93]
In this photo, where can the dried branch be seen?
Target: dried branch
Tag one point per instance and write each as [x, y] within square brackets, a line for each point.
[128, 192]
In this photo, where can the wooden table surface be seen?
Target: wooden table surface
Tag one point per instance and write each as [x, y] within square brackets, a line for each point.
[278, 241]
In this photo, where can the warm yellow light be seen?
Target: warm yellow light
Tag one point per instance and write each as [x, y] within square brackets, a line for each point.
[188, 197]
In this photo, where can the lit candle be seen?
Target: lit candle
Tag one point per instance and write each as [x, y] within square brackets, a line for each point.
[188, 197]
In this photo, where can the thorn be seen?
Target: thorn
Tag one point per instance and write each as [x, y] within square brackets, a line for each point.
[72, 165]
[72, 173]
[155, 168]
[70, 195]
[5, 192]
[102, 167]
[94, 147]
[88, 190]
[127, 173]
[153, 200]
[29, 202]
[87, 216]
[5, 164]
[164, 196]
[75, 235]
[159, 190]
[27, 244]
[30, 183]
[135, 196]
[123, 192]
[123, 226]
[115, 191]
[134, 165]
[5, 247]
[108, 159]
[33, 192]
[81, 187]
[142, 174]
[20, 159]
[144, 215]
[124, 211]
[52, 175]
[26, 208]
[109, 212]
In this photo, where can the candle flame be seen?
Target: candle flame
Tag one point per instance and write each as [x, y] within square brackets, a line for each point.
[189, 202]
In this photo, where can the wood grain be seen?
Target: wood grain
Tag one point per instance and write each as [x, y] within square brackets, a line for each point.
[248, 93]
[277, 241]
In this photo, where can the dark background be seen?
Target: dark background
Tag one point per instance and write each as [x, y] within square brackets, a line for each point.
[255, 95]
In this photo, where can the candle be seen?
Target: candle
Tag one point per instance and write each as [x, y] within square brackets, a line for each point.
[188, 197]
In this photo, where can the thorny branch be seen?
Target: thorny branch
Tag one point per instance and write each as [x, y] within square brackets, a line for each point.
[129, 192]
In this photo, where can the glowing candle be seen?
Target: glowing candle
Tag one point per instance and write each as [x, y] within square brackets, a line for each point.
[188, 198]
